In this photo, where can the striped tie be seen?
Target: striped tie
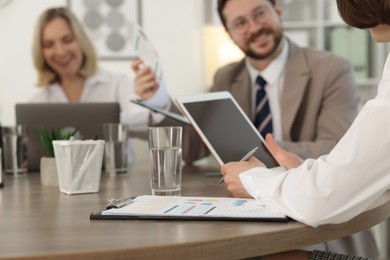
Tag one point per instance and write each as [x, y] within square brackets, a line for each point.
[263, 120]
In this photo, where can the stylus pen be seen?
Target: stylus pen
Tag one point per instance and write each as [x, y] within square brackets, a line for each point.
[246, 157]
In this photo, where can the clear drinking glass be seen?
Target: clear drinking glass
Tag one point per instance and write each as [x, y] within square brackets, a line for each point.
[15, 145]
[115, 151]
[165, 149]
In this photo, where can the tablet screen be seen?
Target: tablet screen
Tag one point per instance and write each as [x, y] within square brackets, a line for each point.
[228, 131]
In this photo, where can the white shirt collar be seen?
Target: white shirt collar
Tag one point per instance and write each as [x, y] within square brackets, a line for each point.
[273, 71]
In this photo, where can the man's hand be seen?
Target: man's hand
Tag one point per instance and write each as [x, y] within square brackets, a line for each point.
[145, 82]
[232, 170]
[286, 159]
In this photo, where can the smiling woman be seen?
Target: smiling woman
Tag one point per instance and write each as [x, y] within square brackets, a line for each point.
[66, 63]
[62, 53]
[60, 42]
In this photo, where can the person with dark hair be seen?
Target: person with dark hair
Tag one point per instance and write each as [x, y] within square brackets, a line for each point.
[306, 98]
[339, 186]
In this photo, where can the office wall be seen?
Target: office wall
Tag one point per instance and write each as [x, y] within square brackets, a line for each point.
[173, 26]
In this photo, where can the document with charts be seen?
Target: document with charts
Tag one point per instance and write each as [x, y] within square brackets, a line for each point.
[145, 49]
[170, 207]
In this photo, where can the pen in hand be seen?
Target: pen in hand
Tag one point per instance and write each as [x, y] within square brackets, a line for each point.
[246, 157]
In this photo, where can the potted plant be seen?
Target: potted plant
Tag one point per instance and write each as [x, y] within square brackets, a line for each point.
[48, 169]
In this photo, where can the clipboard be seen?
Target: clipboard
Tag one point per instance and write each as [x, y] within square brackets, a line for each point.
[148, 207]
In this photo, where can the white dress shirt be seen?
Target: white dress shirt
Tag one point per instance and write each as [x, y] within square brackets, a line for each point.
[108, 87]
[338, 186]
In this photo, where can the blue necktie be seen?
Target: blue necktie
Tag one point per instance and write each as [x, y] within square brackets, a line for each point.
[263, 120]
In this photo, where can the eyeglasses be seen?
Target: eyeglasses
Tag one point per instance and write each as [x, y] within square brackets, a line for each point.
[241, 24]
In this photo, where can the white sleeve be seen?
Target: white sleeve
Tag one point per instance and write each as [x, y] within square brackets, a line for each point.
[335, 187]
[160, 99]
[135, 116]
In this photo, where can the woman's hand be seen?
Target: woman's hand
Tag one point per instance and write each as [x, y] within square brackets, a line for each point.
[286, 159]
[231, 172]
[145, 82]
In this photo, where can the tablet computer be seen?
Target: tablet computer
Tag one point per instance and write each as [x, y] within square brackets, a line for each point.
[224, 127]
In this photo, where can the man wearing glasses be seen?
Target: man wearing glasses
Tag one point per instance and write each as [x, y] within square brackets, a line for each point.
[306, 98]
[311, 95]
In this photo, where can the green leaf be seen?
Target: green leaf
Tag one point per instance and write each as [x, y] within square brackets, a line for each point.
[47, 137]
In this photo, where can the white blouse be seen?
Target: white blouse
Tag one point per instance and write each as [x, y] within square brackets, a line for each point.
[338, 186]
[107, 87]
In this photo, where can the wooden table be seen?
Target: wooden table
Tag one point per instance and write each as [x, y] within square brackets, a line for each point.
[39, 222]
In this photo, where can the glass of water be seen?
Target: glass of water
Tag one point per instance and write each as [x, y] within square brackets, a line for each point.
[165, 160]
[115, 151]
[15, 148]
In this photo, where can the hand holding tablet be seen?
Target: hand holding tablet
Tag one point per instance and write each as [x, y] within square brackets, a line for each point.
[246, 157]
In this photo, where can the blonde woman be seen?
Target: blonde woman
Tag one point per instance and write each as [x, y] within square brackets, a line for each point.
[67, 68]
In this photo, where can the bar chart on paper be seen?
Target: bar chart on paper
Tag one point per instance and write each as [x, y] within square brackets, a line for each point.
[170, 207]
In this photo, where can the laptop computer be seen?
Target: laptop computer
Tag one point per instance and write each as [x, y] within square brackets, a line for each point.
[88, 118]
[224, 127]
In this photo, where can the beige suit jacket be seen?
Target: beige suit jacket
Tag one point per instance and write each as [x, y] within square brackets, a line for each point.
[319, 102]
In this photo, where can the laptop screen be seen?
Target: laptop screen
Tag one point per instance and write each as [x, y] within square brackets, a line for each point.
[88, 118]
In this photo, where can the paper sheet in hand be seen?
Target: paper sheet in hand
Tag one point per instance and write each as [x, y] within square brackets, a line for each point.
[193, 208]
[145, 50]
